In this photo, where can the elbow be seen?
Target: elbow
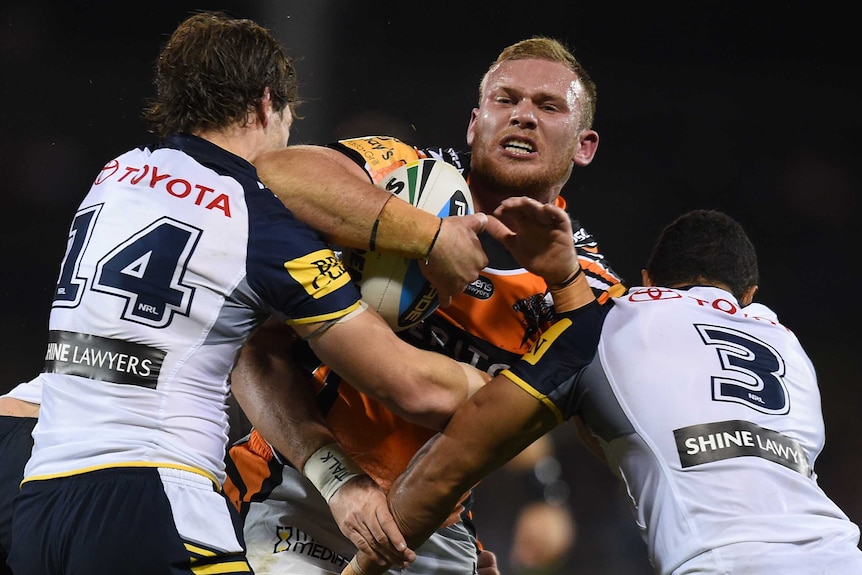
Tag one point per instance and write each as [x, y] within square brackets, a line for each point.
[425, 405]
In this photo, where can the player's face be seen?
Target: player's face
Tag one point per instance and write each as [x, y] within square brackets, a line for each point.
[524, 134]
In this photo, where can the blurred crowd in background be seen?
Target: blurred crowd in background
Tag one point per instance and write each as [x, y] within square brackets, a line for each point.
[751, 108]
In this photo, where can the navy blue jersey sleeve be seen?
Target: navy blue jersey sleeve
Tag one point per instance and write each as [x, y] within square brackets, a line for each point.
[551, 369]
[292, 268]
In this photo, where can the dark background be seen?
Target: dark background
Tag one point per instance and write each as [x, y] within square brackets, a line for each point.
[748, 107]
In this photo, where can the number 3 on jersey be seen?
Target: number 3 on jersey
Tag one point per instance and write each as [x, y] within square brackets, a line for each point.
[146, 269]
[753, 371]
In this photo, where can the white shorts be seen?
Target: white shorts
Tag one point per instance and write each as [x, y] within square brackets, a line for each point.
[293, 532]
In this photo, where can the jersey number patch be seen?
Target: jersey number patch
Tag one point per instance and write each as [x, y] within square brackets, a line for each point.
[146, 269]
[753, 371]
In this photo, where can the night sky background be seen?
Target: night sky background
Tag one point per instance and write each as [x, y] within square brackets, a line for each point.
[748, 107]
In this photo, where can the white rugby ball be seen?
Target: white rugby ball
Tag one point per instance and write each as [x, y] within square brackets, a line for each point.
[394, 285]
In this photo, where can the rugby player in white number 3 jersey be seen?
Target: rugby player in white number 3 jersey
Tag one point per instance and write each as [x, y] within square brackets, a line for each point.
[704, 405]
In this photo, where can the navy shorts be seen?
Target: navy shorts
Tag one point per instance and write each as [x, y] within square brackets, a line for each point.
[135, 521]
[16, 442]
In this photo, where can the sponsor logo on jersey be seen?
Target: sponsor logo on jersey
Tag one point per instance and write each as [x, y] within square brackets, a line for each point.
[320, 272]
[293, 540]
[103, 359]
[382, 155]
[150, 177]
[481, 288]
[707, 442]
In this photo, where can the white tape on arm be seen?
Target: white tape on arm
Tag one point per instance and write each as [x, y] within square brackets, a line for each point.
[329, 469]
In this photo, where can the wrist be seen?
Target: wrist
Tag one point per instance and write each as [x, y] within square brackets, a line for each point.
[573, 293]
[404, 230]
[329, 469]
[570, 279]
[433, 241]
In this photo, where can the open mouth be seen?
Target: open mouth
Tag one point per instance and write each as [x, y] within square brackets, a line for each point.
[519, 147]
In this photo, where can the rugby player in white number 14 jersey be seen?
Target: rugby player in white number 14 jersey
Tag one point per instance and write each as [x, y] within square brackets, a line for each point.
[177, 253]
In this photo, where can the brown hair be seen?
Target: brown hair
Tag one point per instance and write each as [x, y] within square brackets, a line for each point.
[213, 71]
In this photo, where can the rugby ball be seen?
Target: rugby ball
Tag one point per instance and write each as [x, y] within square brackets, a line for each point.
[394, 285]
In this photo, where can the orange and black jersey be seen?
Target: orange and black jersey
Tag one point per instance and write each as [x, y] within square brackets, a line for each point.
[499, 316]
[490, 325]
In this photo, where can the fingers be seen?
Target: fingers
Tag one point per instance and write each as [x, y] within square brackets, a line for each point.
[390, 534]
[457, 257]
[497, 229]
[363, 516]
[522, 210]
[445, 300]
[478, 221]
[486, 563]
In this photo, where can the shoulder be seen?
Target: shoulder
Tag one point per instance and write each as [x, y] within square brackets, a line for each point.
[380, 155]
[377, 155]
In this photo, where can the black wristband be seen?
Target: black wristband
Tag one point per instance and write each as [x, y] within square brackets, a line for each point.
[372, 241]
[433, 241]
[568, 281]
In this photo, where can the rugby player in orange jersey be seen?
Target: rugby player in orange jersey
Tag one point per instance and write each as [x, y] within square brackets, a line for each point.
[531, 128]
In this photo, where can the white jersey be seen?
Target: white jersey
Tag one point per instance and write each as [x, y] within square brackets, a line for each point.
[30, 391]
[174, 257]
[710, 414]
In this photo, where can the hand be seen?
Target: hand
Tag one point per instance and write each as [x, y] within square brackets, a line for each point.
[362, 514]
[486, 564]
[538, 235]
[457, 256]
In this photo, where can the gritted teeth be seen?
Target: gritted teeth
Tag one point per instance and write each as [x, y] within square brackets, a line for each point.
[518, 146]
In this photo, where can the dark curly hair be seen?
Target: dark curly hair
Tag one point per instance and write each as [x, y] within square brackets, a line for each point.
[704, 246]
[213, 71]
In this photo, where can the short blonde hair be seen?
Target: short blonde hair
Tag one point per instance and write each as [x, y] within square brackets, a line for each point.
[544, 48]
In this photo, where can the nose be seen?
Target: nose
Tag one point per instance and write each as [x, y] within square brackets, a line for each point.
[524, 115]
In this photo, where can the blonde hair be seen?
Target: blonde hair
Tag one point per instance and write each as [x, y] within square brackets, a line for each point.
[544, 48]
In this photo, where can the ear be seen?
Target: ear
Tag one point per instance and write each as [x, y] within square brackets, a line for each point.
[645, 279]
[264, 110]
[748, 295]
[471, 130]
[587, 145]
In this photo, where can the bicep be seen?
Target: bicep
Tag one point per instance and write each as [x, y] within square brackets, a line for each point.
[495, 425]
[423, 387]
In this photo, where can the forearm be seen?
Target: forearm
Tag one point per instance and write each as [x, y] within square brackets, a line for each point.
[496, 424]
[329, 192]
[421, 386]
[573, 293]
[10, 406]
[492, 427]
[277, 396]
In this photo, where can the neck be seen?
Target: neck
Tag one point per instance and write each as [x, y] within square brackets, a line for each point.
[236, 140]
[487, 198]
